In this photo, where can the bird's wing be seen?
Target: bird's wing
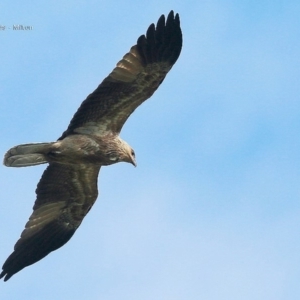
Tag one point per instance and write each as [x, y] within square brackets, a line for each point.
[135, 79]
[65, 194]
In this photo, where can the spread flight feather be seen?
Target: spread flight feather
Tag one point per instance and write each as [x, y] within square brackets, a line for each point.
[68, 187]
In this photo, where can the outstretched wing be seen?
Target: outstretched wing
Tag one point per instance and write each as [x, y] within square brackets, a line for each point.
[65, 194]
[135, 79]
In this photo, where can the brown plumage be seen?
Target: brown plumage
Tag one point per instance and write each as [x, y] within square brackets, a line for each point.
[68, 187]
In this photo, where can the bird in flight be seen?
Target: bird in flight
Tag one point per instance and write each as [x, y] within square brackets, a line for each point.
[68, 187]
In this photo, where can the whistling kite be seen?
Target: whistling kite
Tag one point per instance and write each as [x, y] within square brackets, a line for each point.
[68, 187]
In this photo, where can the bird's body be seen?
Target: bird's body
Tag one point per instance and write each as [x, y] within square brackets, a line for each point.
[79, 148]
[68, 187]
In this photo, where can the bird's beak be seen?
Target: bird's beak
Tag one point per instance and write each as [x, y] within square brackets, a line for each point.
[133, 161]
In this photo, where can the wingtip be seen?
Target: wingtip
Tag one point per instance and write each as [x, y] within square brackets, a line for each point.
[162, 42]
[169, 18]
[171, 15]
[5, 275]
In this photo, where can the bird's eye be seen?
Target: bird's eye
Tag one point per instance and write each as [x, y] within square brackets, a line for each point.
[132, 153]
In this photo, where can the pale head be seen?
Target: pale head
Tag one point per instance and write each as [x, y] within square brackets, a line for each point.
[121, 152]
[127, 153]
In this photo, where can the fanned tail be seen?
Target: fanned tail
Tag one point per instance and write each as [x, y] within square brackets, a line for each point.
[27, 155]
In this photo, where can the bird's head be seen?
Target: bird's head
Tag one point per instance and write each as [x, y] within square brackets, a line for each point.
[127, 154]
[121, 151]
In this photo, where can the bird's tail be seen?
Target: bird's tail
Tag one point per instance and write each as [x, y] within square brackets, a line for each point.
[27, 155]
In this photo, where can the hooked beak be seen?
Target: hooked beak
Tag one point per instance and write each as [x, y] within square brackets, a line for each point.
[133, 161]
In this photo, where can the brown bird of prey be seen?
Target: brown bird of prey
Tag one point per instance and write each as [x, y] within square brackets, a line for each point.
[68, 187]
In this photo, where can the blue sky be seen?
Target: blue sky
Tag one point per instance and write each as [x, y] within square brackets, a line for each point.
[212, 210]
